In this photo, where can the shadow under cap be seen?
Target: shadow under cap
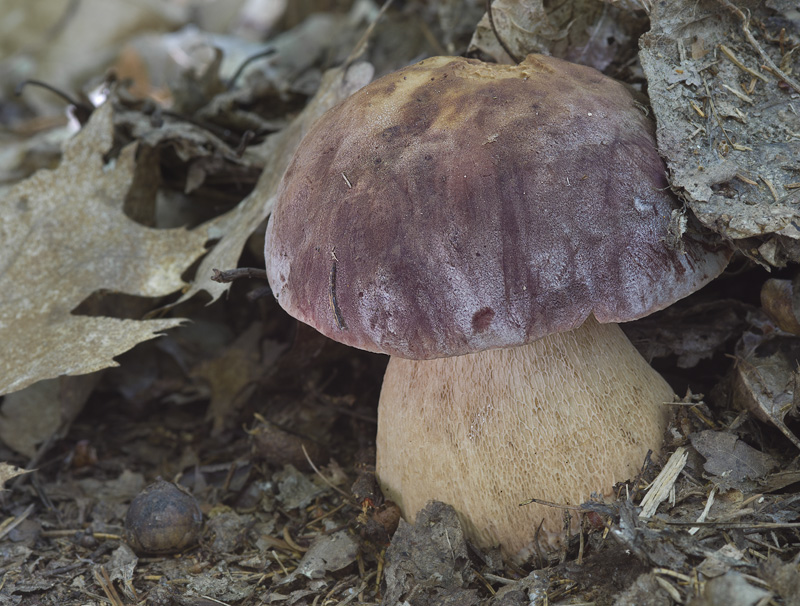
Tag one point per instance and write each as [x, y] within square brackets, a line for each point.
[456, 206]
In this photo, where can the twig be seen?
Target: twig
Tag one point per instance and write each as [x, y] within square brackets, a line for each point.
[260, 55]
[497, 579]
[735, 60]
[224, 276]
[12, 523]
[102, 578]
[551, 504]
[68, 532]
[280, 563]
[664, 483]
[754, 43]
[704, 514]
[48, 87]
[485, 582]
[322, 477]
[716, 114]
[291, 542]
[739, 94]
[771, 187]
[361, 45]
[353, 595]
[739, 525]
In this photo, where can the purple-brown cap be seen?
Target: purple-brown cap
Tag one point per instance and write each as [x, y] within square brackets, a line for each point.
[456, 206]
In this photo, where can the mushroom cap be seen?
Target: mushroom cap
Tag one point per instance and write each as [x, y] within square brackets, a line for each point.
[455, 206]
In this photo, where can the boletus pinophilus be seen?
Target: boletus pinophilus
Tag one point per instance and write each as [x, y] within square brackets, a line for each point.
[488, 226]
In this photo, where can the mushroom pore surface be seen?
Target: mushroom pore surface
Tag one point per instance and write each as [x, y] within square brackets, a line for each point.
[455, 206]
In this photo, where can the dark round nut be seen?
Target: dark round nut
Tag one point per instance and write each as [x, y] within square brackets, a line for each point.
[163, 518]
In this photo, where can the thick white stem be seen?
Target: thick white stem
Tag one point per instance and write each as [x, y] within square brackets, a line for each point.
[559, 419]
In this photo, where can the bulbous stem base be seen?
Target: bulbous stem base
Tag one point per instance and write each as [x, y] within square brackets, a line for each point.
[558, 419]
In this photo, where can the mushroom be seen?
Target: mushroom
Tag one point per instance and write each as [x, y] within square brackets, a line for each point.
[488, 226]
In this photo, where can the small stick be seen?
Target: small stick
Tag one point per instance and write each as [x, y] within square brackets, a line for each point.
[49, 87]
[738, 525]
[12, 523]
[223, 276]
[260, 55]
[551, 504]
[361, 45]
[735, 60]
[771, 187]
[291, 542]
[754, 43]
[322, 477]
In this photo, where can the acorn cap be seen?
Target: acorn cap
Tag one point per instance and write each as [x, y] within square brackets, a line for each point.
[455, 206]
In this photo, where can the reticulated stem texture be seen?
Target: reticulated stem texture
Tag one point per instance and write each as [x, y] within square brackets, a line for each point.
[558, 419]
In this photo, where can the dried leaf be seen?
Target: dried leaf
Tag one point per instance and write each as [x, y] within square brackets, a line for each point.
[233, 374]
[65, 236]
[725, 126]
[660, 548]
[428, 560]
[778, 299]
[632, 5]
[780, 480]
[65, 42]
[200, 150]
[327, 553]
[645, 591]
[8, 472]
[730, 459]
[721, 561]
[731, 589]
[40, 411]
[278, 447]
[581, 31]
[690, 331]
[122, 566]
[238, 224]
[783, 578]
[294, 489]
[764, 385]
[523, 26]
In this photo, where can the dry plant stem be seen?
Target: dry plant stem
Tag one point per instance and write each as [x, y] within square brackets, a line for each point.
[229, 275]
[11, 523]
[260, 55]
[361, 45]
[558, 419]
[322, 477]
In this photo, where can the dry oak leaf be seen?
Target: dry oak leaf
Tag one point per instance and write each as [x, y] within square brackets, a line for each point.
[582, 31]
[9, 471]
[732, 152]
[64, 236]
[238, 224]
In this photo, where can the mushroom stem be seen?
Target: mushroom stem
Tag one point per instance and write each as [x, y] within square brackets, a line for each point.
[558, 419]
